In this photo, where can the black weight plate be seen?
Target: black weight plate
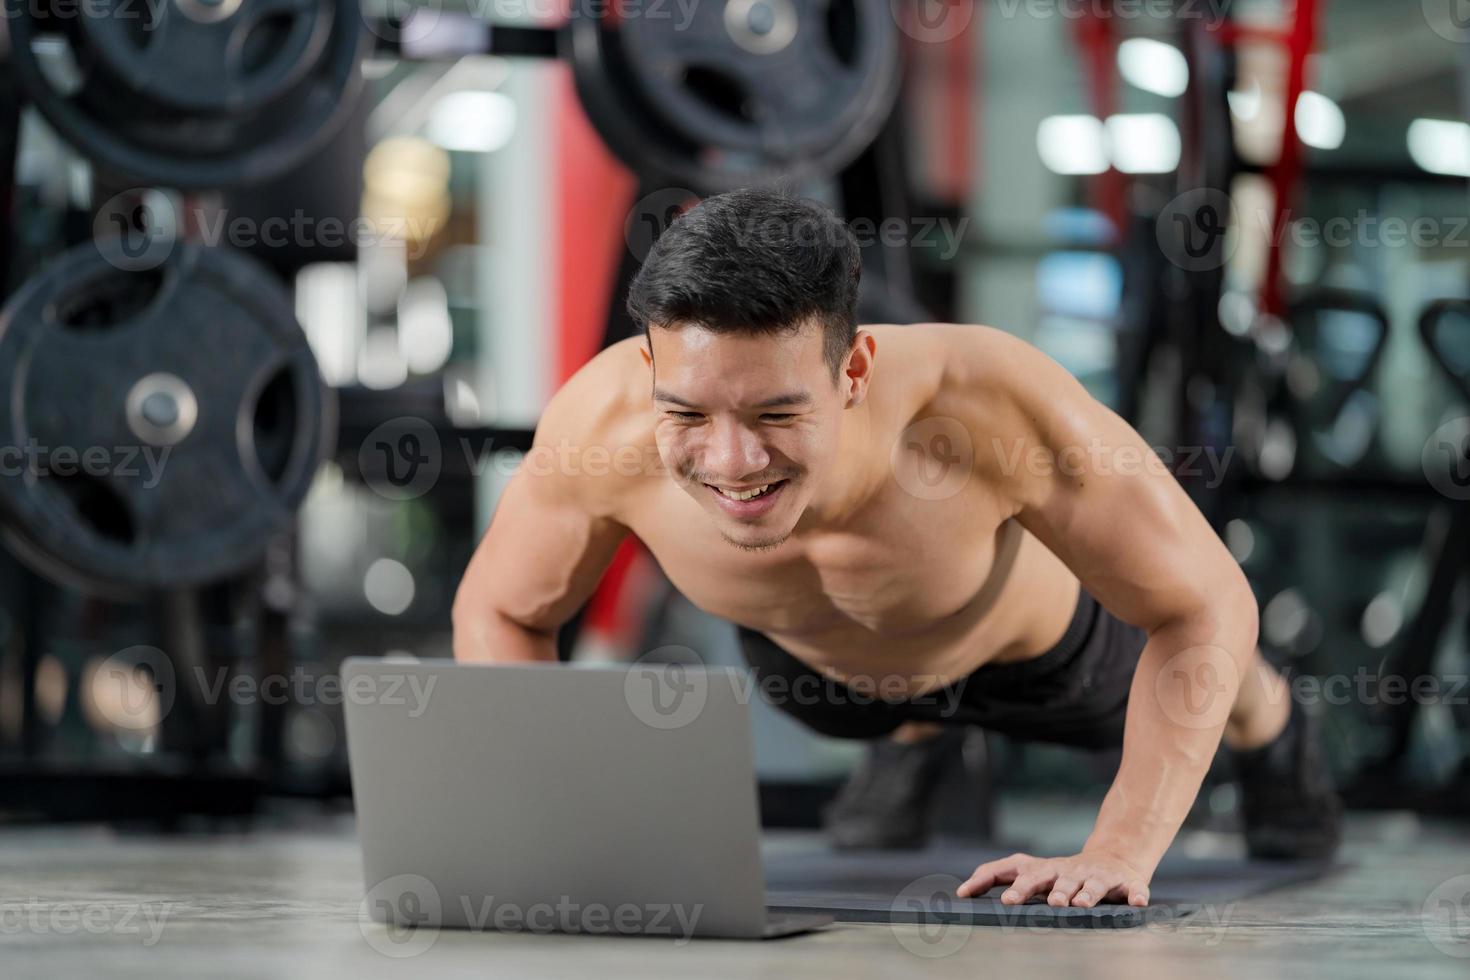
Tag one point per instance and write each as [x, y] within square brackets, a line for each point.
[208, 55]
[79, 343]
[715, 103]
[260, 134]
[785, 93]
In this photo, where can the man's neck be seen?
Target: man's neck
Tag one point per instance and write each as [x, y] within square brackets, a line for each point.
[858, 475]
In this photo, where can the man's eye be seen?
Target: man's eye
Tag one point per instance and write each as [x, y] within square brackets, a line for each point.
[686, 416]
[777, 417]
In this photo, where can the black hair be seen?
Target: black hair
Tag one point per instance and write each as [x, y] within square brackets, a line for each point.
[753, 261]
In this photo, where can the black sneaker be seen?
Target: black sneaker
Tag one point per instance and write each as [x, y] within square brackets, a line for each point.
[888, 801]
[1288, 803]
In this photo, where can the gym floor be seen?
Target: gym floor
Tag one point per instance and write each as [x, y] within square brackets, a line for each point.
[281, 902]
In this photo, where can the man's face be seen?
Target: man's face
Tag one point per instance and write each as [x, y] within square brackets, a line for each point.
[741, 413]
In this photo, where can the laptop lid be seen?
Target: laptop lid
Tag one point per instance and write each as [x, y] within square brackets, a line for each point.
[556, 798]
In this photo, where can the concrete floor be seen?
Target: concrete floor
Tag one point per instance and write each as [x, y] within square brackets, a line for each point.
[284, 903]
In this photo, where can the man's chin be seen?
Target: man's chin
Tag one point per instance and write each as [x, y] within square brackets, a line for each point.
[753, 542]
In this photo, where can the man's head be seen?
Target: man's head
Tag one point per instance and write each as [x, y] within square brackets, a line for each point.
[749, 303]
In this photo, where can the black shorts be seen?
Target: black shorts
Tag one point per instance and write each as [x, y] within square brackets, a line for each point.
[1074, 694]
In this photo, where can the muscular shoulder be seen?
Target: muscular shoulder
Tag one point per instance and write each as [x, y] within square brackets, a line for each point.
[594, 444]
[1009, 396]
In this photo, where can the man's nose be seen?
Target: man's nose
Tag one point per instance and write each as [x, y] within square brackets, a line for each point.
[734, 452]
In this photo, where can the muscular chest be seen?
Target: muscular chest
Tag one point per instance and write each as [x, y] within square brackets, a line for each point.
[901, 566]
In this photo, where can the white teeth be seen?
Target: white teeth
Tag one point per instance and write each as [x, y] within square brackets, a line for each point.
[746, 494]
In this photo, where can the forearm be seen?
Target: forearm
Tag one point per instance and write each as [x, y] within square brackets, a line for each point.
[1188, 678]
[483, 635]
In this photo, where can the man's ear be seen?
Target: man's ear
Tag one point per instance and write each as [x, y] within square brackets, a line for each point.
[857, 370]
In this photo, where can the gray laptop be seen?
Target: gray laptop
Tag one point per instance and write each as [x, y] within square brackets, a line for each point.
[549, 797]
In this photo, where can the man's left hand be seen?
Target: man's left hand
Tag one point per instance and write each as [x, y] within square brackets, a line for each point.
[1082, 880]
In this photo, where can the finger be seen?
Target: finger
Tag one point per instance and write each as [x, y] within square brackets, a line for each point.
[977, 884]
[1094, 889]
[990, 874]
[1062, 892]
[1028, 884]
[1137, 893]
[982, 881]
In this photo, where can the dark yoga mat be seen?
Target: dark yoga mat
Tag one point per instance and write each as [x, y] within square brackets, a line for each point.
[918, 886]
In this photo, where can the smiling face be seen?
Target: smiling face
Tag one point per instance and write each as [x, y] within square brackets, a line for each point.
[749, 424]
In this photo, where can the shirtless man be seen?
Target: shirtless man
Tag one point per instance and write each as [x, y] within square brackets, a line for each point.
[938, 510]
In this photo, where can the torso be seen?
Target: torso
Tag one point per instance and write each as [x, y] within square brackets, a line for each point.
[926, 589]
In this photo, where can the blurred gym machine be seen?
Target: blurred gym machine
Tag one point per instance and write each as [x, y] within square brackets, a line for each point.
[1445, 329]
[1283, 378]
